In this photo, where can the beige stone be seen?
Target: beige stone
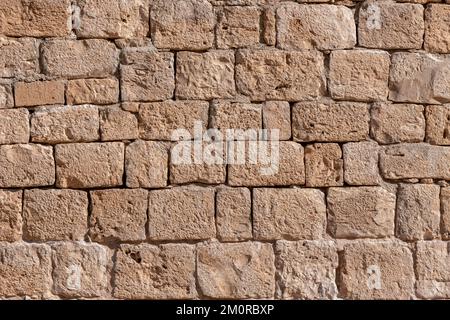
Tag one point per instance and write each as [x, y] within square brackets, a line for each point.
[118, 214]
[18, 57]
[361, 163]
[269, 27]
[26, 165]
[315, 26]
[10, 215]
[149, 272]
[277, 116]
[6, 95]
[438, 124]
[306, 269]
[117, 124]
[182, 24]
[89, 165]
[14, 126]
[324, 165]
[243, 2]
[377, 269]
[236, 271]
[394, 123]
[54, 215]
[234, 219]
[280, 75]
[147, 75]
[95, 91]
[181, 213]
[445, 211]
[39, 93]
[437, 29]
[65, 124]
[418, 212]
[290, 214]
[205, 76]
[330, 122]
[226, 115]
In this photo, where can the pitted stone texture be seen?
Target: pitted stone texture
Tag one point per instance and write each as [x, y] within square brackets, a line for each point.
[6, 95]
[290, 214]
[26, 165]
[113, 19]
[419, 78]
[226, 115]
[10, 215]
[25, 270]
[361, 212]
[360, 75]
[36, 18]
[243, 2]
[330, 122]
[282, 163]
[182, 24]
[118, 214]
[234, 219]
[149, 272]
[18, 57]
[55, 215]
[277, 116]
[324, 165]
[437, 28]
[445, 210]
[236, 271]
[315, 26]
[146, 164]
[377, 269]
[80, 270]
[117, 124]
[147, 75]
[14, 126]
[89, 165]
[162, 120]
[38, 93]
[394, 123]
[438, 124]
[418, 212]
[205, 76]
[306, 269]
[65, 124]
[181, 213]
[361, 163]
[382, 24]
[95, 91]
[269, 27]
[79, 58]
[280, 75]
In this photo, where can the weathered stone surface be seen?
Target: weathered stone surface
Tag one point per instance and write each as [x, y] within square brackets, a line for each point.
[330, 122]
[280, 75]
[324, 165]
[118, 214]
[306, 269]
[95, 91]
[117, 124]
[205, 76]
[361, 163]
[418, 212]
[361, 212]
[6, 95]
[14, 126]
[79, 58]
[437, 29]
[54, 215]
[26, 165]
[112, 18]
[182, 24]
[377, 269]
[162, 120]
[25, 270]
[38, 93]
[10, 215]
[393, 123]
[18, 57]
[419, 78]
[181, 213]
[226, 115]
[418, 160]
[36, 18]
[65, 124]
[438, 124]
[243, 2]
[316, 26]
[234, 219]
[80, 270]
[277, 116]
[382, 24]
[147, 75]
[89, 165]
[237, 270]
[149, 272]
[360, 75]
[445, 210]
[290, 214]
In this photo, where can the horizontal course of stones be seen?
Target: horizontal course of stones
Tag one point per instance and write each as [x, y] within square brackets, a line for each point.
[91, 205]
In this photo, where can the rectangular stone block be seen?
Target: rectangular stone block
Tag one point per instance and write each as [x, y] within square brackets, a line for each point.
[95, 91]
[277, 116]
[117, 124]
[361, 163]
[438, 124]
[6, 95]
[225, 115]
[10, 215]
[324, 165]
[445, 211]
[437, 29]
[19, 57]
[14, 126]
[38, 93]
